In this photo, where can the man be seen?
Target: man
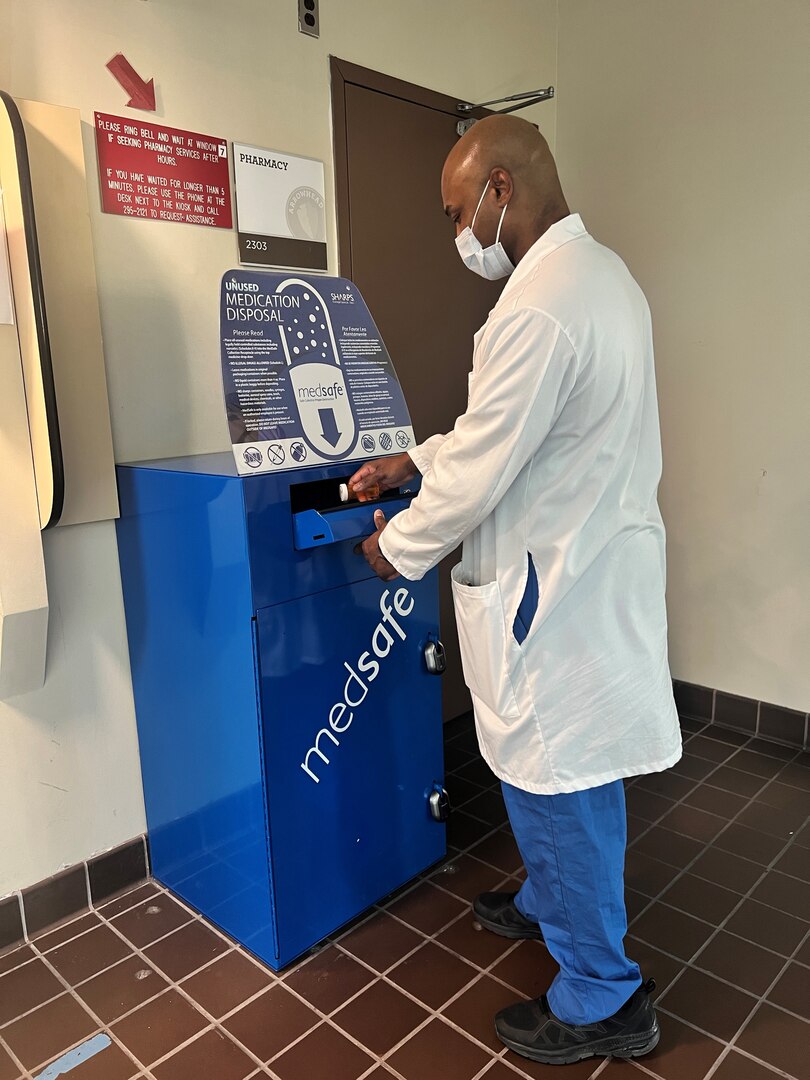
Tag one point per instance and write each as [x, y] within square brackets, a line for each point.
[550, 478]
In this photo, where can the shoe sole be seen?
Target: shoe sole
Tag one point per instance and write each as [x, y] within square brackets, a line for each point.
[627, 1046]
[508, 932]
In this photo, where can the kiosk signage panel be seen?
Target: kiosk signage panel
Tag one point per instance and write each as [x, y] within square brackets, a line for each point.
[306, 375]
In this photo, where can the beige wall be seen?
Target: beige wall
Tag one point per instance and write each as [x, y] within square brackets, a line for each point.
[69, 775]
[682, 139]
[69, 778]
[242, 72]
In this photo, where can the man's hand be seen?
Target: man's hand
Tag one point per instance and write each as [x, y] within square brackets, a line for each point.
[370, 548]
[388, 472]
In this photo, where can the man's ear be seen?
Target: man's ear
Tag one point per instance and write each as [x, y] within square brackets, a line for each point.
[501, 181]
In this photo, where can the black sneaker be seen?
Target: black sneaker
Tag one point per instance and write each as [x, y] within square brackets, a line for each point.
[497, 912]
[532, 1030]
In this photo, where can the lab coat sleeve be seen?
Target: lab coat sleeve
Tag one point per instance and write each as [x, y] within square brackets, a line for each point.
[422, 455]
[526, 371]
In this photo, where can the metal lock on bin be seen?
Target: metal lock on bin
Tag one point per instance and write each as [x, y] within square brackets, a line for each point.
[435, 657]
[439, 803]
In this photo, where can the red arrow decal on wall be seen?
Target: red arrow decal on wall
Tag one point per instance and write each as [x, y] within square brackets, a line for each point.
[141, 94]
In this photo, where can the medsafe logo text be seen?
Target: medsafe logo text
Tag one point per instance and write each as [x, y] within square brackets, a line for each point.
[361, 675]
[321, 392]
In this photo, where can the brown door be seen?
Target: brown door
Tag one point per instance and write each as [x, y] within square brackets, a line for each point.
[391, 139]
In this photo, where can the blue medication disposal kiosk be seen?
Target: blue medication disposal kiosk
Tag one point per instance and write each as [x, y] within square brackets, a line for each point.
[289, 713]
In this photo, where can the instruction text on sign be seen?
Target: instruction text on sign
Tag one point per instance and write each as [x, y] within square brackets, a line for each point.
[162, 173]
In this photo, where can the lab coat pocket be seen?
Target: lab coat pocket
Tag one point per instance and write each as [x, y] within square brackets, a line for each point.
[484, 646]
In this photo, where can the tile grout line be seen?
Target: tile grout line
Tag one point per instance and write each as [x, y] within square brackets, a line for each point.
[724, 1044]
[786, 843]
[661, 898]
[40, 955]
[173, 985]
[481, 1074]
[722, 923]
[94, 1016]
[599, 1066]
[491, 830]
[348, 1035]
[657, 821]
[91, 906]
[695, 784]
[660, 895]
[728, 822]
[34, 942]
[433, 938]
[698, 783]
[369, 1071]
[25, 1072]
[275, 980]
[323, 1017]
[767, 740]
[23, 918]
[274, 977]
[427, 939]
[705, 971]
[440, 1014]
[646, 1070]
[766, 1064]
[762, 1000]
[67, 941]
[432, 1013]
[727, 725]
[87, 885]
[727, 982]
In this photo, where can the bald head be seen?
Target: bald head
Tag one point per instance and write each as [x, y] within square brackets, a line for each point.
[509, 158]
[509, 143]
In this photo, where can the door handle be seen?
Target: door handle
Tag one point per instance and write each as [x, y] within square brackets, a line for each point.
[435, 657]
[439, 803]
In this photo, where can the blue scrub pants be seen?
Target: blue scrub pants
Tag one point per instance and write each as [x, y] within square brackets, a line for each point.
[573, 849]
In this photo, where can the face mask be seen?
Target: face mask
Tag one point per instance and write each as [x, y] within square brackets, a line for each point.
[490, 262]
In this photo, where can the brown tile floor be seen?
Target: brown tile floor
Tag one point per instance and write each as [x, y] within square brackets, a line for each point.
[718, 880]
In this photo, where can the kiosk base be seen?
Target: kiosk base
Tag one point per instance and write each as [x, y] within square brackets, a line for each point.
[289, 725]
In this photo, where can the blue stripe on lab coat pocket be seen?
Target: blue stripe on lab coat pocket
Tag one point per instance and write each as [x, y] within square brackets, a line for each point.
[528, 605]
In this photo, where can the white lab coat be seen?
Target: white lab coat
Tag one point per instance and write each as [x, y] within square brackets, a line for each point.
[558, 455]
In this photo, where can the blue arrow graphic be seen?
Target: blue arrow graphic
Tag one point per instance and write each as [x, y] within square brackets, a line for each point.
[329, 428]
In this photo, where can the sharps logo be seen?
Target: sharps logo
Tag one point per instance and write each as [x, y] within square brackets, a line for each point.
[360, 675]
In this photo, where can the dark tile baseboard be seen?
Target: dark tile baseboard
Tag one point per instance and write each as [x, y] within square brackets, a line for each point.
[27, 913]
[11, 924]
[771, 722]
[54, 899]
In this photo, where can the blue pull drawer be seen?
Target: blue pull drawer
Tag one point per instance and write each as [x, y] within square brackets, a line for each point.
[315, 528]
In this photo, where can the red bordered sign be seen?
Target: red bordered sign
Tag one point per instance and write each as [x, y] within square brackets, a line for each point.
[161, 173]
